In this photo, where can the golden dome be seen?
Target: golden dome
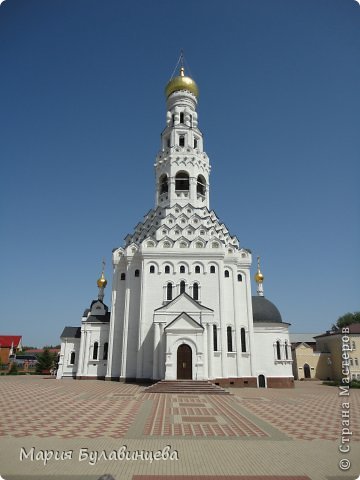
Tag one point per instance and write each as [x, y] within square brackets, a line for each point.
[259, 277]
[102, 282]
[181, 83]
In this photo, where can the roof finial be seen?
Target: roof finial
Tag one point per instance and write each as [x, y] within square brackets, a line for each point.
[259, 278]
[102, 282]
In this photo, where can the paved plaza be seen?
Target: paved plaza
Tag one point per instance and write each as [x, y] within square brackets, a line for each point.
[68, 429]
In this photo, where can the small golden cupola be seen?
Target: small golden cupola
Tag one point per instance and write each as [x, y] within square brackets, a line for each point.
[259, 278]
[101, 283]
[181, 82]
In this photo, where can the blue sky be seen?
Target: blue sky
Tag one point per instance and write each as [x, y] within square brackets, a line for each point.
[82, 108]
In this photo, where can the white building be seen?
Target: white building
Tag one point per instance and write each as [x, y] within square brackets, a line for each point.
[181, 294]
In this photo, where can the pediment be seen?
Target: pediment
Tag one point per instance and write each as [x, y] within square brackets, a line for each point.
[183, 303]
[184, 322]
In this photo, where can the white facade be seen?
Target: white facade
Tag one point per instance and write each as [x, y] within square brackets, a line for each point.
[181, 293]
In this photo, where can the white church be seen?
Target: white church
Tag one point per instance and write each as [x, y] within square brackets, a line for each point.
[182, 304]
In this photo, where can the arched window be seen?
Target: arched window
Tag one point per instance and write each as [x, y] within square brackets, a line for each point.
[227, 274]
[212, 269]
[239, 277]
[197, 269]
[229, 339]
[278, 351]
[105, 354]
[152, 269]
[195, 143]
[164, 186]
[286, 351]
[169, 291]
[181, 140]
[72, 358]
[215, 337]
[137, 273]
[243, 340]
[167, 269]
[182, 181]
[181, 117]
[182, 287]
[122, 276]
[95, 351]
[201, 185]
[182, 269]
[196, 291]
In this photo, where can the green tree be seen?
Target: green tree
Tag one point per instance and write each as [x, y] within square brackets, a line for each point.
[346, 320]
[13, 369]
[45, 361]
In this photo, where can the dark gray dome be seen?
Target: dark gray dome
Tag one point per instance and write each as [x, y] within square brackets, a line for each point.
[265, 311]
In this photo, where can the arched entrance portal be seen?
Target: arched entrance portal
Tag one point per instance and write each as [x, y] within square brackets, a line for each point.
[261, 380]
[184, 362]
[307, 373]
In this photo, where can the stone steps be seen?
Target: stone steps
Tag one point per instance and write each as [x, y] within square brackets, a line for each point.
[186, 387]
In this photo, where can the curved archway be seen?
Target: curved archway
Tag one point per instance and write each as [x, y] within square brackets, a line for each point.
[182, 181]
[201, 185]
[307, 371]
[261, 381]
[163, 184]
[184, 362]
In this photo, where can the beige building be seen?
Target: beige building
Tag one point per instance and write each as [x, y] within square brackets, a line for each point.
[320, 356]
[340, 345]
[308, 361]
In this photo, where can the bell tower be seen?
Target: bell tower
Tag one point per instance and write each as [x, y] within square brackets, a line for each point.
[182, 167]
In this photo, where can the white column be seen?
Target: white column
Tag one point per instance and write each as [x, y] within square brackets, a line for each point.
[162, 346]
[125, 332]
[210, 349]
[139, 364]
[157, 347]
[205, 351]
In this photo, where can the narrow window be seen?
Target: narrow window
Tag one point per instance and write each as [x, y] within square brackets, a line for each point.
[95, 351]
[191, 122]
[137, 273]
[173, 118]
[182, 287]
[197, 269]
[286, 351]
[239, 277]
[353, 346]
[201, 185]
[212, 269]
[243, 340]
[182, 269]
[122, 276]
[72, 358]
[215, 337]
[163, 184]
[181, 117]
[356, 362]
[195, 143]
[152, 269]
[168, 142]
[196, 291]
[351, 362]
[229, 339]
[105, 354]
[182, 181]
[169, 291]
[278, 352]
[182, 140]
[227, 274]
[167, 269]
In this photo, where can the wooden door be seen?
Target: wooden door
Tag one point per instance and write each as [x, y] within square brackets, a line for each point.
[184, 362]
